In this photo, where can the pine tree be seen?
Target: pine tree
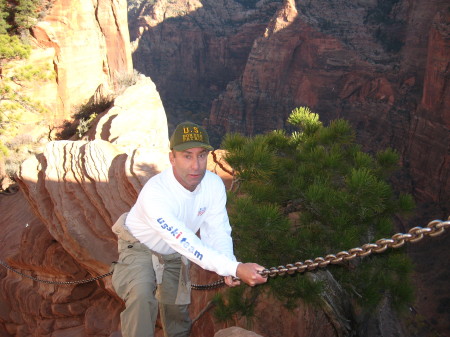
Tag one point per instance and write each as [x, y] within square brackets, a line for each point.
[4, 26]
[25, 13]
[339, 198]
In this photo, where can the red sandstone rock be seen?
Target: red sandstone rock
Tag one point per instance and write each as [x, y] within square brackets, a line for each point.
[330, 59]
[70, 195]
[88, 46]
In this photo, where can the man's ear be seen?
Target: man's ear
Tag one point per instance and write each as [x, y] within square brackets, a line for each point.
[172, 158]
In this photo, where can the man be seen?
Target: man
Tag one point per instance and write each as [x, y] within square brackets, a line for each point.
[157, 239]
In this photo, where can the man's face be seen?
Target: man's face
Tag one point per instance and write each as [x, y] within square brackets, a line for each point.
[189, 166]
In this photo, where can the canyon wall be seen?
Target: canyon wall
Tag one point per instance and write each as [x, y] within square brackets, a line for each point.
[193, 49]
[379, 64]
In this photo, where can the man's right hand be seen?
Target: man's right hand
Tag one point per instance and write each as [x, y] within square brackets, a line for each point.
[248, 273]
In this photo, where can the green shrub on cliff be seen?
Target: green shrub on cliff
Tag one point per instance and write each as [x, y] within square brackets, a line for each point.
[13, 19]
[17, 109]
[84, 117]
[11, 47]
[13, 103]
[312, 193]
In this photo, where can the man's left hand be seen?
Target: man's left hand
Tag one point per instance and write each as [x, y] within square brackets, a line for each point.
[231, 281]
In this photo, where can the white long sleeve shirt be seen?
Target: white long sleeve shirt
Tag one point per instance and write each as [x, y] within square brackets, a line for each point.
[166, 217]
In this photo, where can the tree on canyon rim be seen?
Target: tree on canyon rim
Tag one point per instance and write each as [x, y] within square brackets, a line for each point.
[311, 193]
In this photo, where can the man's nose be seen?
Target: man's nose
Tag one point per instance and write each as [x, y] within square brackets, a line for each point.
[195, 163]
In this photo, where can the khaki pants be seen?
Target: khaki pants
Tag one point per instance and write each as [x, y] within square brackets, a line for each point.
[134, 280]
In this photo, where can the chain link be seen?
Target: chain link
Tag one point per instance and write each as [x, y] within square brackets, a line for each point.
[415, 234]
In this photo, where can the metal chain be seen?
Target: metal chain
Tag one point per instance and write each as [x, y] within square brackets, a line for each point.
[217, 284]
[415, 234]
[213, 285]
[92, 279]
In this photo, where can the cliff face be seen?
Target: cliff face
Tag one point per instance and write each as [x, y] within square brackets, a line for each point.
[193, 49]
[88, 45]
[380, 65]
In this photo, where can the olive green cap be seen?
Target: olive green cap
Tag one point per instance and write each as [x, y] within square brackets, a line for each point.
[188, 135]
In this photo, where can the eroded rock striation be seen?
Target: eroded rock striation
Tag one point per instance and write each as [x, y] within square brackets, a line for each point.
[59, 225]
